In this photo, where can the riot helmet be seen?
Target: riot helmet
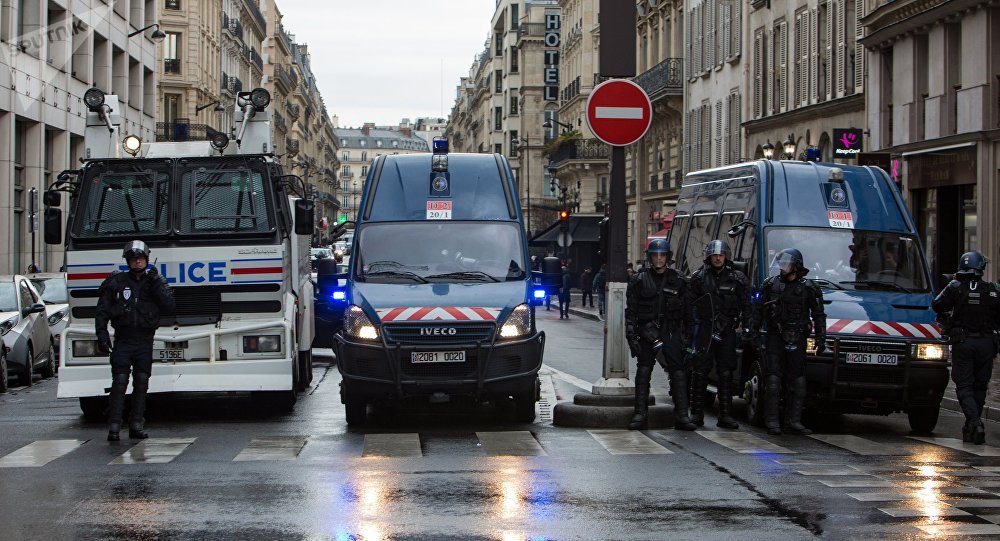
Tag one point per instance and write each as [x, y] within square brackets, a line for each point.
[717, 247]
[135, 249]
[658, 246]
[971, 264]
[788, 261]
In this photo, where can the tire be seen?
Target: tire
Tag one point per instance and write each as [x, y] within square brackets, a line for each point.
[355, 407]
[4, 381]
[305, 371]
[753, 393]
[274, 401]
[923, 419]
[524, 403]
[27, 370]
[49, 369]
[94, 407]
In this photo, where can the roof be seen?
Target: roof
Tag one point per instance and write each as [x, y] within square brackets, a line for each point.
[379, 138]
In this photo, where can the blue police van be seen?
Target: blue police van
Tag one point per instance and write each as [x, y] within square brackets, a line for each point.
[437, 302]
[884, 352]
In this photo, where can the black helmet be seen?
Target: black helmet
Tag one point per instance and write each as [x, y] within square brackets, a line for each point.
[972, 263]
[658, 246]
[717, 247]
[134, 249]
[787, 261]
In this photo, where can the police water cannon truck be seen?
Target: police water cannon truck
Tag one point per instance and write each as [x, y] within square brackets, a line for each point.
[227, 229]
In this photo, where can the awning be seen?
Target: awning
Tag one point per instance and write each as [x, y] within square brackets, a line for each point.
[582, 227]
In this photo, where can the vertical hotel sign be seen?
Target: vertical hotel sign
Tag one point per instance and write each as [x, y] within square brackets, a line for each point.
[551, 73]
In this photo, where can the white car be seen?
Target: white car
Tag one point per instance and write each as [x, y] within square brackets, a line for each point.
[25, 329]
[52, 287]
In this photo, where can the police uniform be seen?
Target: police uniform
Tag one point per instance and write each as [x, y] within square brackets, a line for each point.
[132, 303]
[655, 312]
[786, 307]
[721, 298]
[974, 309]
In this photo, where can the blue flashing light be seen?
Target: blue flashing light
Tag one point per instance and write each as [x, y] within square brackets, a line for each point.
[340, 295]
[539, 294]
[440, 146]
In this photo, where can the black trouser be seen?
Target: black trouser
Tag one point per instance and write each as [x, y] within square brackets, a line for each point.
[130, 355]
[784, 368]
[721, 353]
[672, 350]
[971, 369]
[671, 357]
[564, 304]
[587, 295]
[785, 364]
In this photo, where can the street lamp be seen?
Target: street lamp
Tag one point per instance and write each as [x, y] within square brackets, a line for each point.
[549, 123]
[522, 143]
[218, 107]
[789, 145]
[156, 36]
[768, 149]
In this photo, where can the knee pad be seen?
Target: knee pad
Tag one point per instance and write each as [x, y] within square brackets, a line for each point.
[119, 379]
[140, 382]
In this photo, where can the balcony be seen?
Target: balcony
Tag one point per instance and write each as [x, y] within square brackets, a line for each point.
[571, 90]
[284, 37]
[172, 65]
[580, 149]
[255, 59]
[235, 28]
[291, 146]
[225, 81]
[663, 79]
[256, 14]
[182, 130]
[235, 85]
[279, 122]
[531, 29]
[286, 78]
[293, 111]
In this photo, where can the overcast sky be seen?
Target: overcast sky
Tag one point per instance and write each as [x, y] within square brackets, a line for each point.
[384, 60]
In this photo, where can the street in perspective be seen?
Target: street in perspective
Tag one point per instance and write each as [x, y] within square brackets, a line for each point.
[592, 300]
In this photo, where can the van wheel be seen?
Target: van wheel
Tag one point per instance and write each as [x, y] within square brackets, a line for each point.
[4, 382]
[49, 369]
[923, 419]
[305, 370]
[356, 408]
[26, 371]
[273, 401]
[93, 407]
[524, 403]
[753, 393]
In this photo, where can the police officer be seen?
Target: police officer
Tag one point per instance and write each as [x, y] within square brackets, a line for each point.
[132, 301]
[787, 303]
[721, 297]
[657, 321]
[974, 307]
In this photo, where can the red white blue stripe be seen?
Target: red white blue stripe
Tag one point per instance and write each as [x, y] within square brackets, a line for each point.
[883, 328]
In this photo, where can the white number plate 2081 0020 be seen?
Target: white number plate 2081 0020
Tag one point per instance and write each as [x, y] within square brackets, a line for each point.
[168, 354]
[871, 358]
[417, 357]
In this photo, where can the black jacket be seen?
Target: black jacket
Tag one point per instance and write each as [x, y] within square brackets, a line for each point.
[721, 298]
[644, 300]
[132, 306]
[788, 307]
[974, 305]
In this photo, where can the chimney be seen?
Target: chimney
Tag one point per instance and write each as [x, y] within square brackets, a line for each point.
[407, 131]
[366, 129]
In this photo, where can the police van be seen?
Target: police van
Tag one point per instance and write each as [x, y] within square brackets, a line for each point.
[884, 351]
[228, 230]
[438, 294]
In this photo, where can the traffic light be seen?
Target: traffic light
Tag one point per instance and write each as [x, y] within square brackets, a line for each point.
[563, 220]
[342, 218]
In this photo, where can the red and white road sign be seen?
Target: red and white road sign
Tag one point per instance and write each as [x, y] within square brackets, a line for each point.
[619, 112]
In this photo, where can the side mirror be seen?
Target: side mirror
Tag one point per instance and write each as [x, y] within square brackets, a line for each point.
[53, 224]
[305, 210]
[33, 309]
[52, 198]
[739, 228]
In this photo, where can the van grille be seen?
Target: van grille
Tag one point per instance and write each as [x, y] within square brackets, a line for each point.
[870, 346]
[465, 333]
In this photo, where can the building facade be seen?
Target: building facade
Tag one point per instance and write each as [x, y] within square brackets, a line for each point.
[51, 53]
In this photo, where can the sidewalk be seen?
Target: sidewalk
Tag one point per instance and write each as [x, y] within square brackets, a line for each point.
[991, 412]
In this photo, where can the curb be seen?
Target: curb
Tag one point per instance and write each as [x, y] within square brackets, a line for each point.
[587, 314]
[990, 413]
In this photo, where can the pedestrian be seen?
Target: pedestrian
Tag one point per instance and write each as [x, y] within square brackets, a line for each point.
[566, 284]
[971, 308]
[630, 271]
[657, 322]
[132, 302]
[787, 303]
[600, 284]
[721, 297]
[587, 287]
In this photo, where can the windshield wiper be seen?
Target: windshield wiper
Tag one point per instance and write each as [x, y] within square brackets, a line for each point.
[466, 275]
[824, 281]
[393, 264]
[404, 274]
[876, 283]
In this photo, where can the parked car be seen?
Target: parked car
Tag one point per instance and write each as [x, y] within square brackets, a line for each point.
[25, 329]
[4, 378]
[52, 287]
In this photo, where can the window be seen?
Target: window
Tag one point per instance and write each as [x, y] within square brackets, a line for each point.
[513, 143]
[780, 65]
[702, 231]
[171, 104]
[125, 203]
[513, 59]
[498, 82]
[364, 171]
[497, 118]
[514, 15]
[498, 148]
[345, 171]
[760, 73]
[173, 4]
[171, 60]
[498, 44]
[513, 101]
[364, 155]
[346, 156]
[223, 201]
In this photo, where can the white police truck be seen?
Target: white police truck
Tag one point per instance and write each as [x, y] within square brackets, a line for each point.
[226, 228]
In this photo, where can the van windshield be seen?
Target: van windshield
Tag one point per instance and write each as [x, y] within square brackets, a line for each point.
[424, 252]
[854, 259]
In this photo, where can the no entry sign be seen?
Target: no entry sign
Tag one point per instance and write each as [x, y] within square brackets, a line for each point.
[619, 112]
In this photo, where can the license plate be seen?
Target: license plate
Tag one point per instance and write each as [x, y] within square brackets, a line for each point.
[872, 358]
[168, 354]
[418, 357]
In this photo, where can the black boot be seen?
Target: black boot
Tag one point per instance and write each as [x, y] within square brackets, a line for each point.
[640, 421]
[978, 432]
[726, 402]
[793, 410]
[698, 385]
[967, 432]
[679, 389]
[140, 384]
[116, 405]
[772, 399]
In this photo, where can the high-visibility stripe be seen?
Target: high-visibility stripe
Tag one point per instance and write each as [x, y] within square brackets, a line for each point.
[257, 270]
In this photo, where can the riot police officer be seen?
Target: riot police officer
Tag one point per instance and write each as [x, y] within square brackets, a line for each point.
[658, 322]
[974, 307]
[721, 297]
[132, 302]
[787, 303]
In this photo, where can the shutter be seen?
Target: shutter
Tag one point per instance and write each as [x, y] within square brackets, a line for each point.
[706, 155]
[737, 29]
[696, 40]
[687, 141]
[783, 50]
[718, 133]
[841, 46]
[687, 48]
[729, 129]
[727, 30]
[696, 138]
[709, 34]
[859, 49]
[831, 25]
[738, 130]
[813, 57]
[770, 58]
[758, 68]
[804, 50]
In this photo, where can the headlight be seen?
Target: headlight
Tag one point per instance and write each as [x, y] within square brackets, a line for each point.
[933, 352]
[268, 343]
[357, 324]
[56, 317]
[86, 348]
[93, 98]
[518, 323]
[260, 98]
[132, 144]
[6, 326]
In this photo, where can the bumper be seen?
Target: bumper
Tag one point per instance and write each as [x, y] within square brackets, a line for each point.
[378, 371]
[853, 388]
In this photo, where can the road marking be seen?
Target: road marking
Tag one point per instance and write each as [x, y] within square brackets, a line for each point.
[881, 496]
[959, 445]
[858, 445]
[628, 442]
[510, 443]
[958, 528]
[624, 113]
[857, 483]
[927, 510]
[832, 471]
[39, 453]
[154, 451]
[392, 445]
[572, 380]
[547, 401]
[743, 442]
[272, 448]
[974, 503]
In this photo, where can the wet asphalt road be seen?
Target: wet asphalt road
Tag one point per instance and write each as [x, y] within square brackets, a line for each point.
[222, 469]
